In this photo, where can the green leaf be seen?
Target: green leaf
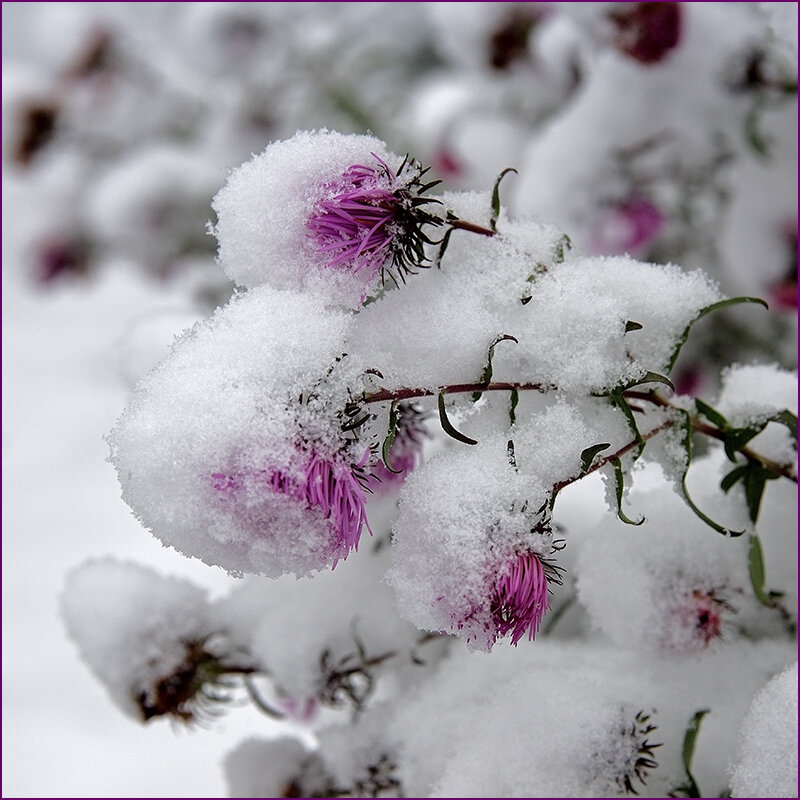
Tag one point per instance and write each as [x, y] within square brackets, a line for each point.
[437, 261]
[731, 301]
[690, 788]
[512, 456]
[732, 478]
[685, 429]
[618, 399]
[711, 414]
[486, 377]
[737, 438]
[630, 325]
[512, 410]
[619, 488]
[755, 481]
[651, 377]
[587, 455]
[387, 442]
[755, 138]
[496, 197]
[560, 248]
[788, 419]
[755, 559]
[447, 426]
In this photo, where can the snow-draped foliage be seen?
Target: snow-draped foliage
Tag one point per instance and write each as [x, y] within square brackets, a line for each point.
[218, 438]
[136, 644]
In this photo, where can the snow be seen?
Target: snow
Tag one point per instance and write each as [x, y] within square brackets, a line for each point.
[61, 393]
[140, 639]
[766, 764]
[263, 209]
[220, 417]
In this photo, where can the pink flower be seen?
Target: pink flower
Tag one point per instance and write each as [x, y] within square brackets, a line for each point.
[698, 620]
[405, 453]
[331, 487]
[646, 32]
[628, 227]
[515, 603]
[520, 598]
[372, 217]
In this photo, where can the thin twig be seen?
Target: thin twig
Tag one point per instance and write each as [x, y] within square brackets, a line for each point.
[463, 225]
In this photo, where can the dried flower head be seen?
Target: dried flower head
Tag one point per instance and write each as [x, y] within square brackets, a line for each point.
[624, 756]
[197, 688]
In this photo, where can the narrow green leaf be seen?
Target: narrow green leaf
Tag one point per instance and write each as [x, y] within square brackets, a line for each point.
[512, 410]
[652, 377]
[619, 488]
[630, 325]
[587, 455]
[447, 426]
[711, 414]
[737, 438]
[755, 481]
[752, 132]
[561, 246]
[618, 399]
[685, 429]
[732, 478]
[486, 377]
[731, 301]
[496, 197]
[387, 442]
[755, 558]
[788, 419]
[437, 261]
[689, 742]
[512, 456]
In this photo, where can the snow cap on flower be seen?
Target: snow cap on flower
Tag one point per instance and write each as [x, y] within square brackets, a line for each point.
[280, 767]
[671, 584]
[288, 625]
[469, 547]
[233, 449]
[322, 211]
[149, 647]
[766, 763]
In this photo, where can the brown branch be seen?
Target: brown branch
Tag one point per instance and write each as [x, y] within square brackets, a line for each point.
[705, 428]
[557, 487]
[463, 225]
[457, 388]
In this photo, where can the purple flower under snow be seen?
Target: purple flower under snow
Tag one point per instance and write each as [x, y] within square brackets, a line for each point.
[520, 598]
[628, 227]
[405, 452]
[371, 219]
[330, 486]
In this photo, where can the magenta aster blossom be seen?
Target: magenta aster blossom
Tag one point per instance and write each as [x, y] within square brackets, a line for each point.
[628, 227]
[701, 615]
[520, 598]
[331, 486]
[371, 219]
[646, 32]
[516, 603]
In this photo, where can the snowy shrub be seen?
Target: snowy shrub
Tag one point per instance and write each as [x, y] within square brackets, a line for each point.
[396, 425]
